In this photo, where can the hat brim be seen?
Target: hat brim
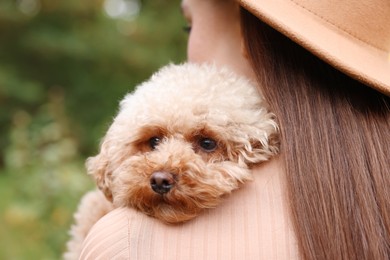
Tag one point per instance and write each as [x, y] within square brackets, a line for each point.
[348, 54]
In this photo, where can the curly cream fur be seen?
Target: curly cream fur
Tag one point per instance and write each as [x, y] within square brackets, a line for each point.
[180, 104]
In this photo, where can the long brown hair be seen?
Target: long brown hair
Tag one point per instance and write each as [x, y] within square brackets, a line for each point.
[335, 146]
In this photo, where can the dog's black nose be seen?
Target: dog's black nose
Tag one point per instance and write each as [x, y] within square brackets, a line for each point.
[161, 182]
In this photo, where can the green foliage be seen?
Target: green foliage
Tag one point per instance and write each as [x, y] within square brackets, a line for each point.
[64, 66]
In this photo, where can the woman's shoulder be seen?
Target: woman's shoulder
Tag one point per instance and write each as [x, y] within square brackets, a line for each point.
[252, 223]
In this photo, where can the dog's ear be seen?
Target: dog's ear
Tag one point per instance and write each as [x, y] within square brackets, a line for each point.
[254, 143]
[99, 167]
[264, 146]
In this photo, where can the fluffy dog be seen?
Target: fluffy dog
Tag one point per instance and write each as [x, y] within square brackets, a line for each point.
[180, 143]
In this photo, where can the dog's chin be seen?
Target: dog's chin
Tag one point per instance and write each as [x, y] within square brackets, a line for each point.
[171, 211]
[172, 207]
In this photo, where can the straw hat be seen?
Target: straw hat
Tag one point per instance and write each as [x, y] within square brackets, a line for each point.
[351, 35]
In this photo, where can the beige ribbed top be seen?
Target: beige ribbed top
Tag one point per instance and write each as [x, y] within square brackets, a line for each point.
[252, 223]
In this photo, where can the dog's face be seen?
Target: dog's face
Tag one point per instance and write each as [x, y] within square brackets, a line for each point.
[182, 141]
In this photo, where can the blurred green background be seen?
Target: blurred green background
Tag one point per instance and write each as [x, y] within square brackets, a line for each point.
[64, 66]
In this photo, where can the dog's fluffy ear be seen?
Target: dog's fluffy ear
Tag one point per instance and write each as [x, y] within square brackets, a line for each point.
[255, 143]
[99, 167]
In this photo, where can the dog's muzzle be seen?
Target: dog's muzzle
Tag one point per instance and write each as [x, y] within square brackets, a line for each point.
[162, 182]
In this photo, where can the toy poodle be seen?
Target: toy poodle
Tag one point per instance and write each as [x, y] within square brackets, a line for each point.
[180, 143]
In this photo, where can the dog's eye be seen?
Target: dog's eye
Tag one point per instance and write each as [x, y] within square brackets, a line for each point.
[208, 144]
[154, 141]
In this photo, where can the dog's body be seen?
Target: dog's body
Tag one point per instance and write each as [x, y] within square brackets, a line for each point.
[179, 143]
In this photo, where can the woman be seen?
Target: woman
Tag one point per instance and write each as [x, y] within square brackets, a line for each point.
[327, 195]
